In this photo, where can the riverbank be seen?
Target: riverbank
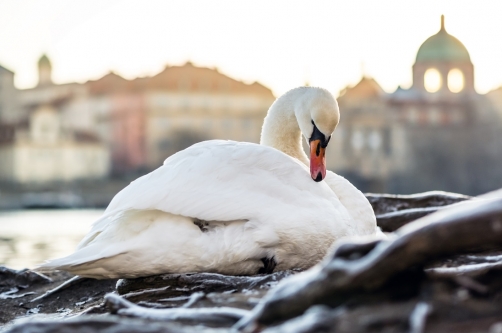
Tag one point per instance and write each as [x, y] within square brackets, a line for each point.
[84, 194]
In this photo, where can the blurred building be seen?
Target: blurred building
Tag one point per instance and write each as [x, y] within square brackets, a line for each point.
[145, 120]
[134, 124]
[187, 104]
[40, 151]
[8, 96]
[495, 97]
[41, 139]
[438, 134]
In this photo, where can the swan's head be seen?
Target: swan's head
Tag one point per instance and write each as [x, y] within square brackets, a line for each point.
[317, 115]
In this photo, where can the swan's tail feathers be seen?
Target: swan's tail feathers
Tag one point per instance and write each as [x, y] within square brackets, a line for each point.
[85, 262]
[380, 234]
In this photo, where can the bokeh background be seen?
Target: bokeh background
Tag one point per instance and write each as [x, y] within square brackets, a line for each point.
[94, 94]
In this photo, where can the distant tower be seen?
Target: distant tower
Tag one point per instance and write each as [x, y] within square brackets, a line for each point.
[443, 65]
[44, 71]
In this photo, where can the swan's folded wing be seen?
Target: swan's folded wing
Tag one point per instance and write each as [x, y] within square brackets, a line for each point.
[224, 181]
[355, 202]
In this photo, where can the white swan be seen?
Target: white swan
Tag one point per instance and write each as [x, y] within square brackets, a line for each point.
[232, 207]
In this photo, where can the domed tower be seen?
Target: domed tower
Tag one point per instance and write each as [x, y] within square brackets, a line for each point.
[443, 65]
[44, 71]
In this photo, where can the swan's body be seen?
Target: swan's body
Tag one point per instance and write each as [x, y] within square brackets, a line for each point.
[224, 206]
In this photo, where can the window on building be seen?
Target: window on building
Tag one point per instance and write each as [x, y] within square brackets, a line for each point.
[387, 141]
[185, 105]
[456, 116]
[375, 140]
[164, 101]
[347, 141]
[413, 114]
[434, 116]
[205, 84]
[432, 80]
[455, 80]
[227, 128]
[246, 123]
[208, 124]
[184, 83]
[205, 104]
[225, 106]
[357, 140]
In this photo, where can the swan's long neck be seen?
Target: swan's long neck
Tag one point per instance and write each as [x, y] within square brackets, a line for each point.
[280, 128]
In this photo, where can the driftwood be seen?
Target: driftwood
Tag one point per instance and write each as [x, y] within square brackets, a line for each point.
[354, 270]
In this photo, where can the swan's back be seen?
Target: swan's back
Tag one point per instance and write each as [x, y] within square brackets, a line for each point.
[225, 180]
[259, 201]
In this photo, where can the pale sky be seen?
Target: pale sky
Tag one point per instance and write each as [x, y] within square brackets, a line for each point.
[278, 43]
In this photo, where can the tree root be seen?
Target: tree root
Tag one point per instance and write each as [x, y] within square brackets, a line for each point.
[210, 316]
[355, 269]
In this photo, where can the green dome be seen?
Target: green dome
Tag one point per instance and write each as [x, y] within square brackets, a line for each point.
[442, 47]
[44, 60]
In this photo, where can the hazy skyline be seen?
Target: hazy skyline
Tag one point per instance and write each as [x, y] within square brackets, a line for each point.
[278, 43]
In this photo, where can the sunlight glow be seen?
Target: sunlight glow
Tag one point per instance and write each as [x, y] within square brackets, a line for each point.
[455, 80]
[432, 80]
[282, 46]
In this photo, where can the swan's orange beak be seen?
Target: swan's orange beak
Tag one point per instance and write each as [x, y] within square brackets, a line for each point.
[317, 160]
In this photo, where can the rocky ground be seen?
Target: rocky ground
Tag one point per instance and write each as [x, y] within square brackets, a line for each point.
[440, 273]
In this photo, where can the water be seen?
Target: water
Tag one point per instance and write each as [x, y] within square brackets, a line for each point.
[29, 237]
